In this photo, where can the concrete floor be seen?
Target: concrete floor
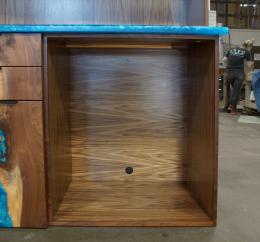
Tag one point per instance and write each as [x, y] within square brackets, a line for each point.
[239, 201]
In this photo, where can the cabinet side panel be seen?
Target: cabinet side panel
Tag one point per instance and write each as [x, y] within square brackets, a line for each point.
[203, 125]
[58, 127]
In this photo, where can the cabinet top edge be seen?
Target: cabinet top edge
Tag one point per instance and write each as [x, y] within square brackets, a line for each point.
[117, 29]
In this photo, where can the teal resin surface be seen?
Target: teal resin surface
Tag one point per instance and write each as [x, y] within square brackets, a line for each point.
[5, 219]
[3, 147]
[117, 29]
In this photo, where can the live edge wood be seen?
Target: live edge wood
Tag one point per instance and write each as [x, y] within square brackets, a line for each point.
[21, 83]
[20, 50]
[22, 123]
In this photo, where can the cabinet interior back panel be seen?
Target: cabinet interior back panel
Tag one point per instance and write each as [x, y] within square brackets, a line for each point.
[127, 111]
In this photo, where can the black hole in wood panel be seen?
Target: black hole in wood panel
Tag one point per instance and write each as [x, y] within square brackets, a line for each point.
[129, 170]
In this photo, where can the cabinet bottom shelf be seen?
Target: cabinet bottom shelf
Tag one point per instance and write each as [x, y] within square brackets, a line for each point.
[124, 203]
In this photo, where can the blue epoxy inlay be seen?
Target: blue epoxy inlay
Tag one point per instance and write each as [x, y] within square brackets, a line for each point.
[5, 219]
[3, 147]
[117, 29]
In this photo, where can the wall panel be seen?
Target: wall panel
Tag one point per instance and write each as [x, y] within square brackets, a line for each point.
[165, 12]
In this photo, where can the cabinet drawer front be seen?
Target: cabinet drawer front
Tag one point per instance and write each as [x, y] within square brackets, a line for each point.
[20, 50]
[22, 173]
[20, 83]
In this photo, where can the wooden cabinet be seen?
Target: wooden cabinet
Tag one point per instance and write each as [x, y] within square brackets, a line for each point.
[20, 50]
[112, 105]
[124, 130]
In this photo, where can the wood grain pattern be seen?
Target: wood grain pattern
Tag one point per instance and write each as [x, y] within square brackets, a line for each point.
[22, 123]
[57, 126]
[138, 108]
[203, 126]
[123, 203]
[150, 12]
[20, 83]
[129, 112]
[20, 50]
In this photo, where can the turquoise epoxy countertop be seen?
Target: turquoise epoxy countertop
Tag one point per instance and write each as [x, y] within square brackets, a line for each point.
[116, 29]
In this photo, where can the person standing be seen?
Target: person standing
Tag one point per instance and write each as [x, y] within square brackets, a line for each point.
[235, 59]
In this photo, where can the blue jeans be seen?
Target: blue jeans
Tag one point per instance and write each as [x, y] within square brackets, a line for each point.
[236, 78]
[256, 88]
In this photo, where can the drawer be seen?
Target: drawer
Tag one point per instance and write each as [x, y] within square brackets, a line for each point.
[20, 50]
[20, 83]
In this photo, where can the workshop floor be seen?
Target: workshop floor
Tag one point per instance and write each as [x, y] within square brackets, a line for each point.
[239, 201]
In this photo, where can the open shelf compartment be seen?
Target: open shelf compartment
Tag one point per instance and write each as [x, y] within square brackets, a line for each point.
[116, 103]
